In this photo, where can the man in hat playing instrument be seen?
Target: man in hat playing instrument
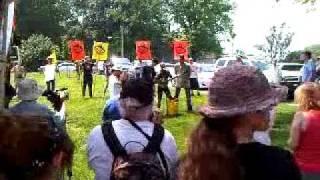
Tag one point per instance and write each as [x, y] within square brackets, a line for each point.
[183, 72]
[162, 79]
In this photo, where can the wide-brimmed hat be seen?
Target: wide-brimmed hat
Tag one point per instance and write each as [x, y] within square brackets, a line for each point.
[237, 90]
[28, 90]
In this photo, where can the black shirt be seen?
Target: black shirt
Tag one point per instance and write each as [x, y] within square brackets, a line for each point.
[87, 69]
[163, 78]
[261, 162]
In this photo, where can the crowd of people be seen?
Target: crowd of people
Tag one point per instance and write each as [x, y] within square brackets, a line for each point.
[131, 142]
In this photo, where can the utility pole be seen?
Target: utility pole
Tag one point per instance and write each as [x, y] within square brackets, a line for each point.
[122, 40]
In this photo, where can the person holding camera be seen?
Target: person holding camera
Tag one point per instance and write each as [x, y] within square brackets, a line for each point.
[28, 92]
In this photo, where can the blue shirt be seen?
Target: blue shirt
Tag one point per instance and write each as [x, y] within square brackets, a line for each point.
[35, 109]
[309, 71]
[111, 110]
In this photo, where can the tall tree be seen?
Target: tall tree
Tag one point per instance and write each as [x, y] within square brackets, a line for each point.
[315, 49]
[277, 43]
[47, 17]
[140, 19]
[203, 22]
[294, 57]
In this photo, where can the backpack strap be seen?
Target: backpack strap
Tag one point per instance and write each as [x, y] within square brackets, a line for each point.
[154, 143]
[111, 139]
[155, 140]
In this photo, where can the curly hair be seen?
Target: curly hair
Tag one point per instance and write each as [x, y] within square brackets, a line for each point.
[211, 152]
[27, 147]
[304, 96]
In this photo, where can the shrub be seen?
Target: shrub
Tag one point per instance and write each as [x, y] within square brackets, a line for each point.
[36, 48]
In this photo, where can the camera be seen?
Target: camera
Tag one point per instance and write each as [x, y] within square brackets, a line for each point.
[57, 97]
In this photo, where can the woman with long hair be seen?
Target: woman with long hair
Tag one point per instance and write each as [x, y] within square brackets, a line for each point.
[31, 148]
[221, 147]
[305, 134]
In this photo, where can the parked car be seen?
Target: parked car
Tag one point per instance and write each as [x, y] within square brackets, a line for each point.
[267, 69]
[205, 74]
[145, 62]
[66, 67]
[123, 63]
[228, 61]
[290, 75]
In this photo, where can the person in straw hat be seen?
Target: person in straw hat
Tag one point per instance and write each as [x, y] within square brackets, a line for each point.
[221, 147]
[28, 92]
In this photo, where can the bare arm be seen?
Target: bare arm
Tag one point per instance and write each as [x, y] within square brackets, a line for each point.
[296, 128]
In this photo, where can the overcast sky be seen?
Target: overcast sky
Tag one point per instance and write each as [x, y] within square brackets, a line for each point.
[253, 19]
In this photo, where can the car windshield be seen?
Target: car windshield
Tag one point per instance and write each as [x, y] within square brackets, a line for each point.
[291, 67]
[261, 65]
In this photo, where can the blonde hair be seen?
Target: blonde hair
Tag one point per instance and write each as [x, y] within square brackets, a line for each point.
[304, 96]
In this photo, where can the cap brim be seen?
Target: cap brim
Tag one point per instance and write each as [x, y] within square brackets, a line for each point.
[270, 99]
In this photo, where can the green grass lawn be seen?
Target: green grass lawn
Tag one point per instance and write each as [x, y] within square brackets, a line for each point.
[85, 113]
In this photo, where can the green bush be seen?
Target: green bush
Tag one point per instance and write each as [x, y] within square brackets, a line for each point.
[37, 47]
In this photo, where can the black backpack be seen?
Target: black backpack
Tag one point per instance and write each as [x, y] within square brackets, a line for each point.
[145, 165]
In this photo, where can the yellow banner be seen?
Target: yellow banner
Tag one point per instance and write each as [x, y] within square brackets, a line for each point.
[53, 56]
[100, 51]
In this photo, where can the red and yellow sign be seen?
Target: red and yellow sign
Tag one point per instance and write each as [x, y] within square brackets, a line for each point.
[143, 50]
[77, 50]
[180, 48]
[100, 51]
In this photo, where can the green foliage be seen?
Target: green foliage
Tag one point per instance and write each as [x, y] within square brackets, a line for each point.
[203, 22]
[307, 1]
[52, 18]
[315, 49]
[293, 56]
[140, 19]
[35, 48]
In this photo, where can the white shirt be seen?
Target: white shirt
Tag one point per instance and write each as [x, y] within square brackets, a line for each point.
[157, 69]
[263, 137]
[101, 159]
[194, 71]
[114, 86]
[49, 72]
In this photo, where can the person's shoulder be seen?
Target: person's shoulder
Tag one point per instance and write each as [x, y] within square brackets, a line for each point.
[112, 102]
[268, 152]
[95, 132]
[168, 137]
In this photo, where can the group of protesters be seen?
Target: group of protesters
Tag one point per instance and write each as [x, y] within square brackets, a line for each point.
[132, 144]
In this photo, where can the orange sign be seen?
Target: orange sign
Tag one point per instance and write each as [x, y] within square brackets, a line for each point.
[77, 50]
[180, 48]
[143, 50]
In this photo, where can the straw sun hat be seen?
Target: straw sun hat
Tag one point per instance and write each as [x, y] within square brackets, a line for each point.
[28, 90]
[238, 90]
